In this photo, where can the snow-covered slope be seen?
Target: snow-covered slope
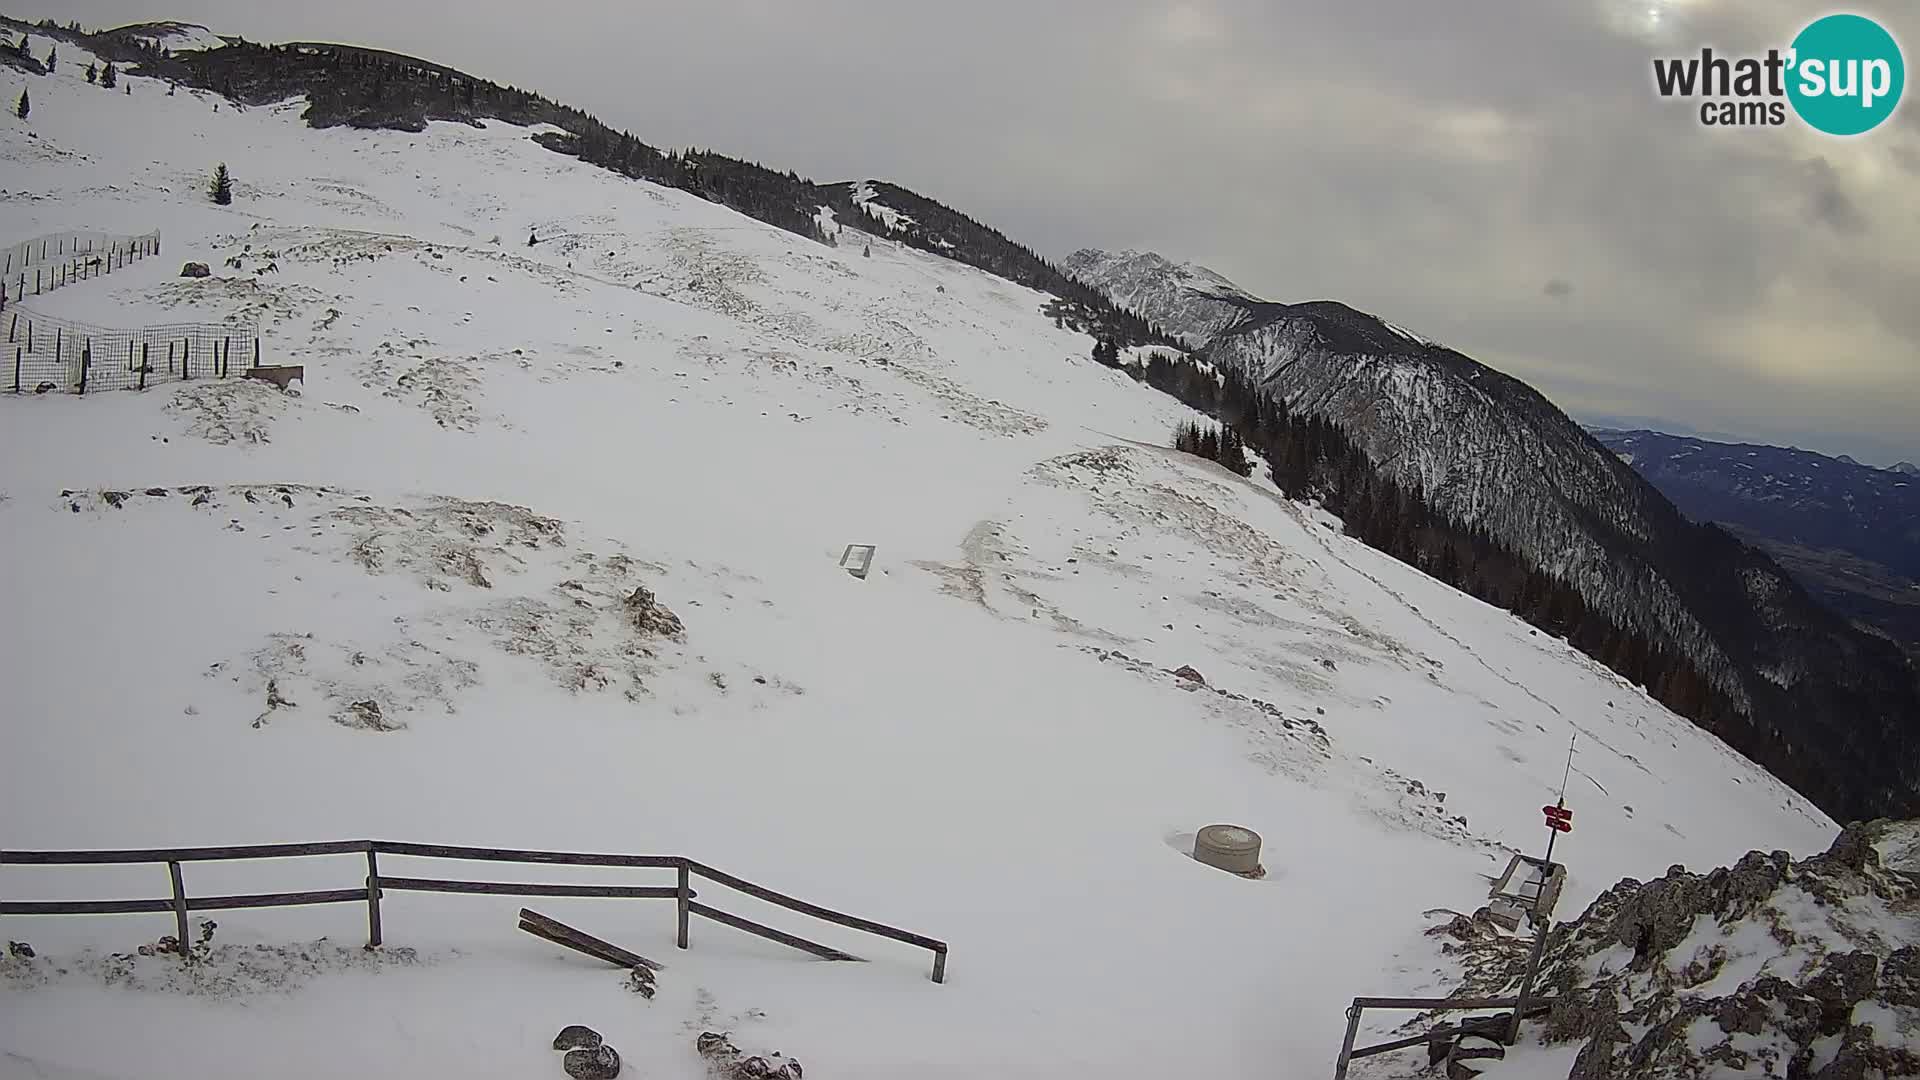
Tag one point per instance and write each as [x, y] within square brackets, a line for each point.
[1826, 705]
[207, 583]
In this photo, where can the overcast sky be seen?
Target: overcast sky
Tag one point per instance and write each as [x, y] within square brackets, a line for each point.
[1495, 174]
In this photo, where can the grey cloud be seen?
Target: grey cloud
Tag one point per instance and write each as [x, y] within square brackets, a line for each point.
[1435, 163]
[1827, 203]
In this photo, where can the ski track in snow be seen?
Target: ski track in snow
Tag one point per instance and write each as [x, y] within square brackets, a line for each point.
[402, 603]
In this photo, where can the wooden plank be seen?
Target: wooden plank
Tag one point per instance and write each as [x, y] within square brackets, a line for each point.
[561, 934]
[373, 900]
[853, 922]
[197, 854]
[940, 965]
[179, 905]
[1434, 1003]
[564, 858]
[281, 899]
[684, 893]
[517, 888]
[570, 942]
[1346, 1048]
[82, 907]
[824, 952]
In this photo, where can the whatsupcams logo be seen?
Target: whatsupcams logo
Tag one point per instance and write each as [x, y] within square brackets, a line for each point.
[1842, 75]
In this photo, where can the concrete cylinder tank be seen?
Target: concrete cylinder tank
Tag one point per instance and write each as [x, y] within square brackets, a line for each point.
[1233, 848]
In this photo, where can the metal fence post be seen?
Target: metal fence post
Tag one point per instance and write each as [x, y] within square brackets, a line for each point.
[144, 365]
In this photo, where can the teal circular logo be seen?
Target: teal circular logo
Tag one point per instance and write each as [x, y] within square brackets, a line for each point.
[1846, 74]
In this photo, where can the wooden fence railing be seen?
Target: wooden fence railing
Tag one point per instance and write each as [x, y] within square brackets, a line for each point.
[45, 263]
[376, 883]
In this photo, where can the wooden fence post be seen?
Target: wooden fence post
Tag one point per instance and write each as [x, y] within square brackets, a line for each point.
[373, 899]
[16, 369]
[684, 896]
[144, 365]
[179, 907]
[940, 965]
[129, 354]
[86, 363]
[1346, 1048]
[256, 351]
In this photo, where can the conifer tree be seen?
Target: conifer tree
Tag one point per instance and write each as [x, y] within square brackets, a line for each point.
[108, 76]
[93, 73]
[24, 107]
[222, 187]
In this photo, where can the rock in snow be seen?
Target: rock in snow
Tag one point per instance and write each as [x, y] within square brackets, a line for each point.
[596, 1063]
[576, 1037]
[1770, 967]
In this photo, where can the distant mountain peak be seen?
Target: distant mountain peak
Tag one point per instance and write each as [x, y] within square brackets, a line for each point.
[1905, 468]
[1188, 300]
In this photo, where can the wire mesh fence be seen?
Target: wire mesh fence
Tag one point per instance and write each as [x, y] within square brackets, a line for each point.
[45, 263]
[45, 355]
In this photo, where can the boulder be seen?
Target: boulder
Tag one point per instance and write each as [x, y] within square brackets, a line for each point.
[1843, 981]
[1186, 672]
[649, 616]
[1900, 977]
[577, 1037]
[599, 1063]
[194, 269]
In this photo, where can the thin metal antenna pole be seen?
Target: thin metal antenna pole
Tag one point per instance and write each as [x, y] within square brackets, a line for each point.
[1553, 833]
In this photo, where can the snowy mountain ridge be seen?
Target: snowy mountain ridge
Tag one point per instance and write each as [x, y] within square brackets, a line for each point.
[399, 602]
[1813, 697]
[1187, 300]
[1849, 532]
